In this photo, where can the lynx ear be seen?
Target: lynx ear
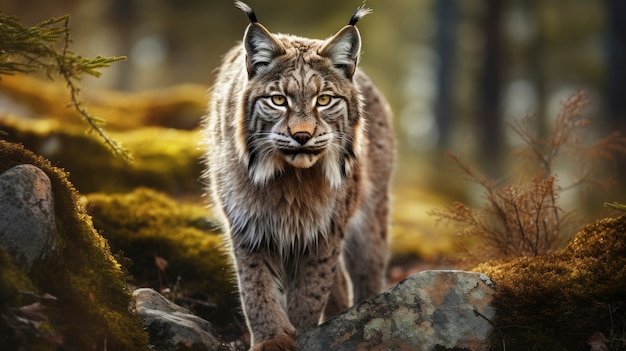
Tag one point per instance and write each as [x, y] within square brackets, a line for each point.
[261, 48]
[343, 50]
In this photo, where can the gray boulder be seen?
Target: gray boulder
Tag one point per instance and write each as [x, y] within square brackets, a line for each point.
[171, 326]
[27, 225]
[431, 310]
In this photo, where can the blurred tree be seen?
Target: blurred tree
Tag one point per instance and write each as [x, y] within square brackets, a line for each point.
[489, 117]
[535, 59]
[123, 15]
[446, 14]
[616, 32]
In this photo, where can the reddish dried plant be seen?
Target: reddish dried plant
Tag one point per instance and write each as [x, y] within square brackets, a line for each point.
[523, 218]
[566, 143]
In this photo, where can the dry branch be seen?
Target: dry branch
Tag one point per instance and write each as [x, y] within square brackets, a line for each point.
[523, 218]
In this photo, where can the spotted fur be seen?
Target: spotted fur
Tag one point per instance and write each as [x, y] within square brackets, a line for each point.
[299, 154]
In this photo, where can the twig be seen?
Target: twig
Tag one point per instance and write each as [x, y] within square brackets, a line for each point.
[67, 72]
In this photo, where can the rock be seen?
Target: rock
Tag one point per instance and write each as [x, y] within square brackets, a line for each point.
[170, 325]
[431, 310]
[27, 224]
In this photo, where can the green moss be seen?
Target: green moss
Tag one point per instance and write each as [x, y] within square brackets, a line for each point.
[146, 225]
[16, 290]
[180, 106]
[164, 159]
[92, 307]
[12, 281]
[555, 302]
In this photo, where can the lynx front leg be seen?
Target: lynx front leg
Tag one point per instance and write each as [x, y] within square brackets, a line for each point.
[365, 251]
[310, 286]
[340, 295]
[263, 301]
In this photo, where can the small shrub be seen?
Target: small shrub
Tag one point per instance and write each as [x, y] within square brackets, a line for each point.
[523, 218]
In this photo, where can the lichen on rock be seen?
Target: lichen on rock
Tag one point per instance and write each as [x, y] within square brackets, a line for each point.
[430, 310]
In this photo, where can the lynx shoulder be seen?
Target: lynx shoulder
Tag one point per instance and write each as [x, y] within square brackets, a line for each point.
[299, 154]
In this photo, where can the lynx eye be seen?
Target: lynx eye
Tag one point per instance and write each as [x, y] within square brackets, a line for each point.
[323, 100]
[279, 100]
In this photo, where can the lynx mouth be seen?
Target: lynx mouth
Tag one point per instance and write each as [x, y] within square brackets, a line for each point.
[313, 152]
[302, 158]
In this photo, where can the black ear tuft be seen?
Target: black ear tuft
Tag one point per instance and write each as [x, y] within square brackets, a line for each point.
[247, 10]
[358, 14]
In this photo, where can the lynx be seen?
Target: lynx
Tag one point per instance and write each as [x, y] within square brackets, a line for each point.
[299, 158]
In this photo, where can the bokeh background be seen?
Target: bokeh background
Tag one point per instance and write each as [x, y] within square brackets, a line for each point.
[455, 72]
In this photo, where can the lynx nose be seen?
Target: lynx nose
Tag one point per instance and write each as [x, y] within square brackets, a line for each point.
[302, 137]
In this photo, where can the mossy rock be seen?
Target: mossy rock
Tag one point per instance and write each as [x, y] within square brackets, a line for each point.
[152, 229]
[92, 305]
[557, 301]
[164, 159]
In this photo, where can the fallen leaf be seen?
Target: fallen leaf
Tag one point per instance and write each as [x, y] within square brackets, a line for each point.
[160, 262]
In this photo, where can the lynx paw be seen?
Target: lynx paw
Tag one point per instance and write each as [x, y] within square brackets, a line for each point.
[281, 343]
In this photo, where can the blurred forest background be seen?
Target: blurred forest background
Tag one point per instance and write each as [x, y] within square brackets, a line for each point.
[455, 72]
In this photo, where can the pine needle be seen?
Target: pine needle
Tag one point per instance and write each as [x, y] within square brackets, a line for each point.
[33, 49]
[615, 206]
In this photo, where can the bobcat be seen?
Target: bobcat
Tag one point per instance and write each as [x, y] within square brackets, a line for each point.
[299, 156]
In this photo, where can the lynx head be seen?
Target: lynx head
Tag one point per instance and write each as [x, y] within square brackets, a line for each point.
[300, 107]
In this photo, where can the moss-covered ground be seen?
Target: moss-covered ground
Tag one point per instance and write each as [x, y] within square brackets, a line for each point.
[152, 216]
[558, 301]
[174, 247]
[164, 159]
[91, 308]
